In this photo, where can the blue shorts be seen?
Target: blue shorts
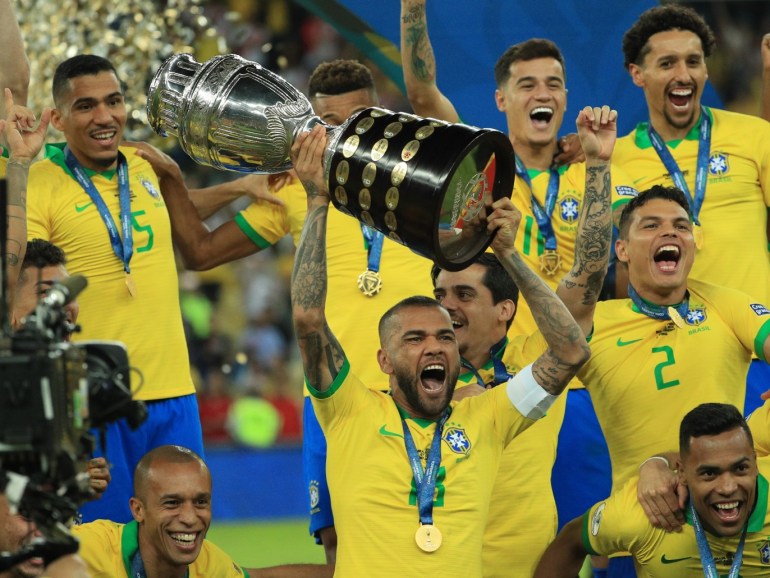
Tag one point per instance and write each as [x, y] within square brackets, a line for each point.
[757, 383]
[621, 567]
[314, 471]
[169, 421]
[582, 473]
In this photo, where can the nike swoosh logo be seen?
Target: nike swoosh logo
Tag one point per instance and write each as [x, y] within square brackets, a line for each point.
[81, 208]
[665, 560]
[622, 343]
[385, 432]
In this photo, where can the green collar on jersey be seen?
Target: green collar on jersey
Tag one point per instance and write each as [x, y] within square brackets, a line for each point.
[129, 544]
[642, 137]
[757, 518]
[55, 152]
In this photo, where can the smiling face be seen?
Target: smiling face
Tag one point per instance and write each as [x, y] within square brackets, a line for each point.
[672, 74]
[173, 509]
[478, 321]
[420, 354]
[720, 472]
[533, 99]
[92, 116]
[659, 249]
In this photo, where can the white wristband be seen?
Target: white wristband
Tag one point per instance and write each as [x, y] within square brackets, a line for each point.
[661, 458]
[527, 395]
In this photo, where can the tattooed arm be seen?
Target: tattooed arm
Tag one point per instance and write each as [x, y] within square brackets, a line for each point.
[579, 289]
[24, 145]
[14, 65]
[419, 65]
[322, 355]
[567, 348]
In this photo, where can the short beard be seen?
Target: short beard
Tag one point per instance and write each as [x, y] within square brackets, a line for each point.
[407, 383]
[680, 125]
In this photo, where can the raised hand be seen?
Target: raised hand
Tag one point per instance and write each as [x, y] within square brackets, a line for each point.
[597, 129]
[23, 139]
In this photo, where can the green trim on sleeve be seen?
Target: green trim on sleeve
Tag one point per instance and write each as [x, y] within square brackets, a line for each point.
[341, 376]
[757, 518]
[586, 539]
[759, 341]
[255, 237]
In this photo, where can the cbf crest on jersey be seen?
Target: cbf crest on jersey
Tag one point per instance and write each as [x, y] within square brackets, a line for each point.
[569, 209]
[696, 316]
[718, 164]
[147, 184]
[457, 440]
[764, 551]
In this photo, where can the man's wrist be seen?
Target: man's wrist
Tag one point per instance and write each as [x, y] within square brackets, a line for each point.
[656, 458]
[23, 163]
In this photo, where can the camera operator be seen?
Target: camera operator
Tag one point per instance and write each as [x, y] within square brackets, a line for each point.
[17, 531]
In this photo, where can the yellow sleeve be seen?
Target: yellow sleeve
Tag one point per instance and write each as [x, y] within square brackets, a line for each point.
[759, 424]
[38, 202]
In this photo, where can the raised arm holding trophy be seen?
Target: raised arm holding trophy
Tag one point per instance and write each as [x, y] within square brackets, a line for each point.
[424, 183]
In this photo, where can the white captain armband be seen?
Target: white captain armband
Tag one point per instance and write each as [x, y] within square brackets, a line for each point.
[527, 395]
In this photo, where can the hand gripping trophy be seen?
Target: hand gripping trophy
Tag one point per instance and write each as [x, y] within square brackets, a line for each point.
[425, 183]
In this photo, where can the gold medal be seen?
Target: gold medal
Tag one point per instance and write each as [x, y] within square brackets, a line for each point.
[428, 538]
[697, 233]
[370, 283]
[550, 261]
[675, 317]
[130, 285]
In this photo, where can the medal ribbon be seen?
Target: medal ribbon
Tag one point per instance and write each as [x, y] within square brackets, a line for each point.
[707, 558]
[425, 479]
[374, 240]
[137, 566]
[501, 372]
[701, 174]
[123, 249]
[542, 213]
[659, 311]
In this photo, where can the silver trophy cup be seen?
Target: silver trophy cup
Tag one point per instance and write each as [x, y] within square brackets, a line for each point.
[425, 183]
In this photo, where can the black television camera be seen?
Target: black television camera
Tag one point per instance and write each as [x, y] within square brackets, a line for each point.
[51, 393]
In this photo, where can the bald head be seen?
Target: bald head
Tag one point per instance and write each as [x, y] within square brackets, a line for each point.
[163, 455]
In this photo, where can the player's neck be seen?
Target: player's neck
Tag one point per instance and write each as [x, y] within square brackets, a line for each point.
[659, 295]
[154, 567]
[669, 132]
[536, 157]
[96, 165]
[479, 356]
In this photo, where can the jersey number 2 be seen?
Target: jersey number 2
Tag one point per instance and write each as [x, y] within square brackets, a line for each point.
[660, 381]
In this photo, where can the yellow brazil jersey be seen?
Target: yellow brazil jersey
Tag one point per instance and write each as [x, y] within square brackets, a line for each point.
[645, 374]
[759, 423]
[371, 482]
[523, 520]
[149, 323]
[353, 317]
[734, 212]
[619, 525]
[3, 165]
[569, 203]
[107, 548]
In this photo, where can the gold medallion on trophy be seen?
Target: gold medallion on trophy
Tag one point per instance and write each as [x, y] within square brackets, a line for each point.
[550, 261]
[428, 538]
[370, 282]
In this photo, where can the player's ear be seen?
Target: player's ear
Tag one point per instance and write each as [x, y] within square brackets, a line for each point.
[137, 509]
[384, 360]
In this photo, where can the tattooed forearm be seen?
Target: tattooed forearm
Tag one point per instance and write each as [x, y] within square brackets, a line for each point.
[309, 275]
[416, 45]
[592, 246]
[567, 348]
